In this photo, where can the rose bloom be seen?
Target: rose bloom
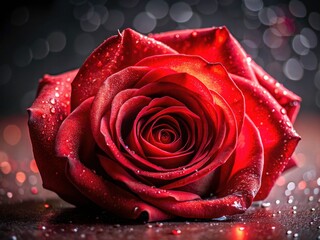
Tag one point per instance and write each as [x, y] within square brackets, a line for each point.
[177, 124]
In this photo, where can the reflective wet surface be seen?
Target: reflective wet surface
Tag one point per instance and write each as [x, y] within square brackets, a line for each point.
[27, 211]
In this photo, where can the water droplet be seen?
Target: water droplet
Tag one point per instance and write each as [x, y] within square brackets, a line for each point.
[241, 228]
[289, 232]
[135, 209]
[52, 101]
[44, 116]
[194, 34]
[34, 190]
[265, 204]
[99, 64]
[53, 110]
[176, 232]
[159, 224]
[57, 94]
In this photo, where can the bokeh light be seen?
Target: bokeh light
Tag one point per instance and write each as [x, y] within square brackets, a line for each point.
[12, 134]
[57, 41]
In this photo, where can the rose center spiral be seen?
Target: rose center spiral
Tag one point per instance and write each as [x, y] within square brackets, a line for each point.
[165, 136]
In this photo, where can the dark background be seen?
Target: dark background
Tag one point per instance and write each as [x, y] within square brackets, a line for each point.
[38, 37]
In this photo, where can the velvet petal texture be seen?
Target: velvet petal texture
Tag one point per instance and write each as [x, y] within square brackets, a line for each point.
[286, 98]
[213, 44]
[111, 56]
[277, 133]
[48, 111]
[73, 133]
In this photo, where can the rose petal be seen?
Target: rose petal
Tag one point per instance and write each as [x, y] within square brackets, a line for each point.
[117, 172]
[286, 98]
[114, 84]
[213, 76]
[222, 154]
[45, 116]
[72, 134]
[213, 44]
[111, 56]
[278, 136]
[243, 172]
[237, 190]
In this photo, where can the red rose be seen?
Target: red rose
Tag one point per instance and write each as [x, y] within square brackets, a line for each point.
[181, 124]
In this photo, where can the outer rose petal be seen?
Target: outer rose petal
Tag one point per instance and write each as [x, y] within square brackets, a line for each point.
[286, 98]
[45, 116]
[111, 56]
[278, 136]
[73, 133]
[246, 164]
[213, 44]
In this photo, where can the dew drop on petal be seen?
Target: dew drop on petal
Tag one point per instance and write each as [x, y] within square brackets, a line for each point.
[52, 101]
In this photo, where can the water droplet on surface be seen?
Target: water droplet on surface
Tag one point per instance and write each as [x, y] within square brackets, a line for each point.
[34, 190]
[289, 232]
[53, 110]
[159, 224]
[176, 232]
